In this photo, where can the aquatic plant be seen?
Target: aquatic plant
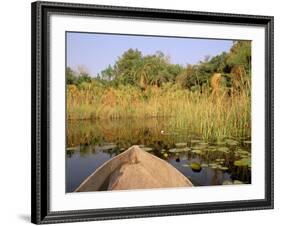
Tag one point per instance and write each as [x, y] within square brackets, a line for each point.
[226, 117]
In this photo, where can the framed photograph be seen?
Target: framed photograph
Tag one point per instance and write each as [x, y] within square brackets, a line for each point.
[140, 112]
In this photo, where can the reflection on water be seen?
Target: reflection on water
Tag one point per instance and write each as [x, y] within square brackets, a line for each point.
[91, 143]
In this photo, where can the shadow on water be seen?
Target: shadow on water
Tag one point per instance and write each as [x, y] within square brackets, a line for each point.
[91, 143]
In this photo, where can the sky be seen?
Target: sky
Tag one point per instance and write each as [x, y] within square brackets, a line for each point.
[96, 51]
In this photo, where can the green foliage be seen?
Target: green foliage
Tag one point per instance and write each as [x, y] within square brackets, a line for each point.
[195, 166]
[70, 77]
[240, 54]
[75, 78]
[126, 66]
[108, 73]
[196, 77]
[134, 68]
[187, 78]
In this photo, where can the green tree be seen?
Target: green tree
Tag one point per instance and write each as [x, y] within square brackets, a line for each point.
[70, 77]
[108, 73]
[187, 77]
[240, 54]
[126, 65]
[76, 78]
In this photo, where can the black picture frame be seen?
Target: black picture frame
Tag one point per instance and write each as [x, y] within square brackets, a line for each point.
[40, 211]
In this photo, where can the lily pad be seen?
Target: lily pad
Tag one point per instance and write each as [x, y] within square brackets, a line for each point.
[223, 149]
[243, 162]
[180, 145]
[199, 147]
[204, 165]
[203, 144]
[198, 152]
[243, 152]
[173, 150]
[215, 167]
[237, 182]
[236, 154]
[224, 168]
[213, 164]
[247, 142]
[148, 149]
[221, 143]
[220, 160]
[195, 166]
[231, 142]
[71, 148]
[107, 147]
[165, 155]
[244, 156]
[178, 150]
[195, 141]
[227, 182]
[239, 163]
[186, 165]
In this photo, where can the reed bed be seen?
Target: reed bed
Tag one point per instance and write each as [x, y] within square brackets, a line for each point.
[214, 117]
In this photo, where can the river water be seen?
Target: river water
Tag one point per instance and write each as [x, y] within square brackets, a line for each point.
[91, 143]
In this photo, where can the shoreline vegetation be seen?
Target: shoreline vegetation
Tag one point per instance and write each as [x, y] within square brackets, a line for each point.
[211, 98]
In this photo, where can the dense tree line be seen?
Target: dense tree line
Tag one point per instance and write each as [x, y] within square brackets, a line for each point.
[135, 69]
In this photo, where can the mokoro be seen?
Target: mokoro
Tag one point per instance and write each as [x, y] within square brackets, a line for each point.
[134, 169]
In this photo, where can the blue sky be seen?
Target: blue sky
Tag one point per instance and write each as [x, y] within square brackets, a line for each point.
[97, 51]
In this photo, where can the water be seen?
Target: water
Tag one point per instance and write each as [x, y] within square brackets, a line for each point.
[91, 143]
